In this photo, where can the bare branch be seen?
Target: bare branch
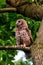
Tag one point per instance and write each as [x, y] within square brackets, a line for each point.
[14, 48]
[7, 10]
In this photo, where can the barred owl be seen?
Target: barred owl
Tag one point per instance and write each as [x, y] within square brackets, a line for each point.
[23, 34]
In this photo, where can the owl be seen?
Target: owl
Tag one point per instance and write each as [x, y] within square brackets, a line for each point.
[23, 34]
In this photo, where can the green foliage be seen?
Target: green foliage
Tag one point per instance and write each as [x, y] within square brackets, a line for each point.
[21, 62]
[33, 26]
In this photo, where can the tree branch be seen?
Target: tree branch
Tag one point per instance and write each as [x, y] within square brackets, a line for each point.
[14, 48]
[7, 10]
[28, 9]
[34, 11]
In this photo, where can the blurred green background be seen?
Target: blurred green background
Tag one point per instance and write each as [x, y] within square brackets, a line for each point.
[7, 34]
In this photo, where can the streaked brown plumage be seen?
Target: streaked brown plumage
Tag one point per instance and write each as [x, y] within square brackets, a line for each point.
[23, 34]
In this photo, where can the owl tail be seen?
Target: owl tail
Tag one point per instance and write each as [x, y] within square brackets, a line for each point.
[28, 54]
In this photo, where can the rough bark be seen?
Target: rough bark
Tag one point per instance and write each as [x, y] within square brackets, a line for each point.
[28, 9]
[37, 48]
[31, 10]
[16, 3]
[15, 48]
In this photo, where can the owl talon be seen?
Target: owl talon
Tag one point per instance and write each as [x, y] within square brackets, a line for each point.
[24, 45]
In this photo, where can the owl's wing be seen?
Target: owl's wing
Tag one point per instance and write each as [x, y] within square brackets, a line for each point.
[17, 36]
[29, 33]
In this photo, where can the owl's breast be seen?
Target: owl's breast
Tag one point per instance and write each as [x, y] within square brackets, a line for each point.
[24, 35]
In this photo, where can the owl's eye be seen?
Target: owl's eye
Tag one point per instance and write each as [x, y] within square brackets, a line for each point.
[19, 21]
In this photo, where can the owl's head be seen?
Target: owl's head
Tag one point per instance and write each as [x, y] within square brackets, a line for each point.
[21, 23]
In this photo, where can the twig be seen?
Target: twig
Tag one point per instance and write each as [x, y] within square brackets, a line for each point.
[7, 10]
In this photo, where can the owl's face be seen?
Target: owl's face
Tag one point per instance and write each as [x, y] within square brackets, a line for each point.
[21, 23]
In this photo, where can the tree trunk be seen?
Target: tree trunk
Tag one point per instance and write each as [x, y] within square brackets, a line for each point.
[37, 48]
